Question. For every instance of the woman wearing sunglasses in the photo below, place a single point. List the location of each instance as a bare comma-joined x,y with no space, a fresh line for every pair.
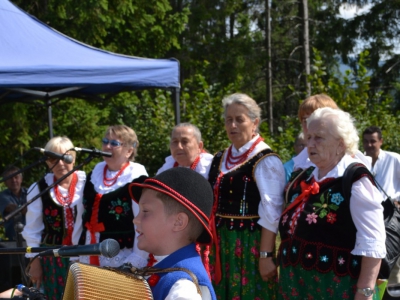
109,209
54,219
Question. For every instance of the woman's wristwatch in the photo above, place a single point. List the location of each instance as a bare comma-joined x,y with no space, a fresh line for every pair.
265,254
367,292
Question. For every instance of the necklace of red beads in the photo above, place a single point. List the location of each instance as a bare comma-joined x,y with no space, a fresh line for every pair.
231,161
193,165
66,201
111,181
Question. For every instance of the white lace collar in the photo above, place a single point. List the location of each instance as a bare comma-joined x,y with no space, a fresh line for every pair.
97,178
49,179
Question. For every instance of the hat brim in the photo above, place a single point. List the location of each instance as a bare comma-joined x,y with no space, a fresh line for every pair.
136,189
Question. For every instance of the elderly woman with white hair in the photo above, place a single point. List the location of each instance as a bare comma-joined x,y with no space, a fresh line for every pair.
187,150
55,218
331,247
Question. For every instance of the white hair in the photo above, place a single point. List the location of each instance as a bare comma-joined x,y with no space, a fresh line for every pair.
196,130
342,126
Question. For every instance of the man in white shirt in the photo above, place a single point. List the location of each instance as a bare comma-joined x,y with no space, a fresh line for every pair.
386,170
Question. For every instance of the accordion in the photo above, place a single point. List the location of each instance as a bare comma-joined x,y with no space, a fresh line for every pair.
88,282
92,282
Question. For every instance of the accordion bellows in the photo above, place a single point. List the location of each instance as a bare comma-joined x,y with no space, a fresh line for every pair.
94,283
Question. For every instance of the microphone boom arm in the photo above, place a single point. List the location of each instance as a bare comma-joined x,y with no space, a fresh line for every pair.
16,211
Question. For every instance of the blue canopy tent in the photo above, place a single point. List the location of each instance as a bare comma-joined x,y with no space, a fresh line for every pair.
39,63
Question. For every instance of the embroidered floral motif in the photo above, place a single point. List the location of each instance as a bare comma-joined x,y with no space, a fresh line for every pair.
284,219
337,198
53,218
341,260
331,218
294,250
309,255
324,258
119,208
311,218
323,208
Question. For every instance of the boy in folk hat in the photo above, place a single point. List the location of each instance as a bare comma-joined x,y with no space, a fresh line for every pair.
175,207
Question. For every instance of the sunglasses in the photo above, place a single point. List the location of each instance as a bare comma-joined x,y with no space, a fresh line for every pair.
113,143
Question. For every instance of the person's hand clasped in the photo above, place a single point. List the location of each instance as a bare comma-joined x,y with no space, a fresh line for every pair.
267,268
36,273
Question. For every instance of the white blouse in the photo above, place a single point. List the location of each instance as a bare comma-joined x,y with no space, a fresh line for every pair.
34,227
270,178
366,211
203,167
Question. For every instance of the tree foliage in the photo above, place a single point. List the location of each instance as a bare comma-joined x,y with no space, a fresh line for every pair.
222,49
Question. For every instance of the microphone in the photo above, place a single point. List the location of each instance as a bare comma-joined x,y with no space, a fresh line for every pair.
31,293
93,151
67,158
108,248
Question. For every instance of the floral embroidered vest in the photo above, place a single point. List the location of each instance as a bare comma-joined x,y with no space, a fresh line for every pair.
323,234
114,214
238,193
53,219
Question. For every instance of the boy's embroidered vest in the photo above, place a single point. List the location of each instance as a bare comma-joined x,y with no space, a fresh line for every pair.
324,234
186,257
112,217
238,193
53,218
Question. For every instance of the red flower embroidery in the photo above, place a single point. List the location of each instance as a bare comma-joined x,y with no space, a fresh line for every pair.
54,212
119,209
331,218
153,279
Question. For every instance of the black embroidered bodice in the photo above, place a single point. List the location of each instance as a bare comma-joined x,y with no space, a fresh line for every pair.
238,195
319,233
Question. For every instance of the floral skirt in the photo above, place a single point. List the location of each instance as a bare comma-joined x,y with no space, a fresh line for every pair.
241,280
298,283
55,271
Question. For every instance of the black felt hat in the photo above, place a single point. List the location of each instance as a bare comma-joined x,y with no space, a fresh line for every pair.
187,187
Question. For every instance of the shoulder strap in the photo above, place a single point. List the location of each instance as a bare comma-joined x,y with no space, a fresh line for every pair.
150,270
348,177
290,185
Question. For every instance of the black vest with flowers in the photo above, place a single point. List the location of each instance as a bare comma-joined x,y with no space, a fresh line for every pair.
53,219
112,217
323,234
238,193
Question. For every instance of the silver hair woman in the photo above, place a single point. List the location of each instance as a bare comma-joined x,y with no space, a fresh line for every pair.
55,218
324,235
248,181
187,150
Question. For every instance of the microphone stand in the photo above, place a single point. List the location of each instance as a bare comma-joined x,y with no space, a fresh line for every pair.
39,161
17,210
18,227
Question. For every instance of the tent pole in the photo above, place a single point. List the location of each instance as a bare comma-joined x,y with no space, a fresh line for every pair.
49,113
177,107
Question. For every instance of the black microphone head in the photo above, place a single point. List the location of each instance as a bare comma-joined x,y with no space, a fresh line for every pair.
68,159
109,248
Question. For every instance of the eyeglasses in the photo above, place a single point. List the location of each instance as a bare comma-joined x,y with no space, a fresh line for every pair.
113,143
